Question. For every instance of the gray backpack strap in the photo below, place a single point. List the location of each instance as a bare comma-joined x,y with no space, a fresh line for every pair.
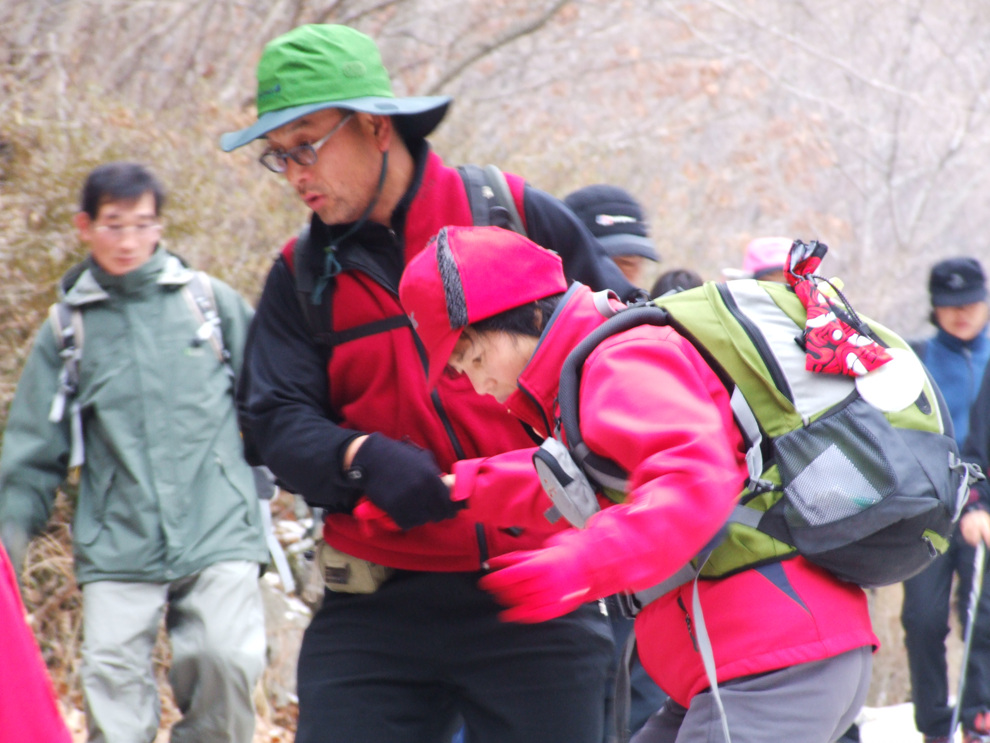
490,198
503,197
67,327
622,696
198,293
708,657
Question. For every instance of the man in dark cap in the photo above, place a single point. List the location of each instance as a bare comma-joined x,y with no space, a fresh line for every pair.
617,220
956,356
335,401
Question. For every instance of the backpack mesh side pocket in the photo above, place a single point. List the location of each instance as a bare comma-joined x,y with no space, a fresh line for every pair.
834,468
858,496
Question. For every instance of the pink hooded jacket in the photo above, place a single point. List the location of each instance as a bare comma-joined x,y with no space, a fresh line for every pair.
651,404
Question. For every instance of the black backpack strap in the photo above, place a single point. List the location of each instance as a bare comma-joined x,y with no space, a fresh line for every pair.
319,316
490,198
479,198
601,471
491,204
503,199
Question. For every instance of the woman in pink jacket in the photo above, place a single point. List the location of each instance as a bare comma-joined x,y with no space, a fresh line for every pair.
27,700
792,644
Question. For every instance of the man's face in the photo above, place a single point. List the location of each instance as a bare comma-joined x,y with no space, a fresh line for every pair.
123,235
964,321
344,179
634,268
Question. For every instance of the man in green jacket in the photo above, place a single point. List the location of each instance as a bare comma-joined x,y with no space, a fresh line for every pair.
167,520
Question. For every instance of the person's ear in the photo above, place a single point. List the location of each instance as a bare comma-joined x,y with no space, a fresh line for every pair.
84,226
383,129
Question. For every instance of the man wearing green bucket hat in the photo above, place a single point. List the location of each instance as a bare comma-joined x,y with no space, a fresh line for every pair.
334,399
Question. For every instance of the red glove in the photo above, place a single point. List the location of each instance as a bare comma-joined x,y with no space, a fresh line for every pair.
537,585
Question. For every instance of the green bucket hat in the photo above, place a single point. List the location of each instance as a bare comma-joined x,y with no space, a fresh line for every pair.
320,66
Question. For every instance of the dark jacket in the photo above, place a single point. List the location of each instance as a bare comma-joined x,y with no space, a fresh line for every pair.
957,367
976,446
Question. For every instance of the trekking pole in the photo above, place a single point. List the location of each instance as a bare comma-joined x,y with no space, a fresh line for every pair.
974,598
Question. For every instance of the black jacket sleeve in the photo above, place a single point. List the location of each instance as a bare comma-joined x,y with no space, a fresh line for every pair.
976,447
283,400
551,224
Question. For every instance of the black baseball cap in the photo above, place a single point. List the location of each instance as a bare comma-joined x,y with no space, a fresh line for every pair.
615,218
957,281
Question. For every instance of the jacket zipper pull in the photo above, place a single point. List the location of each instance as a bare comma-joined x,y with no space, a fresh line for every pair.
687,621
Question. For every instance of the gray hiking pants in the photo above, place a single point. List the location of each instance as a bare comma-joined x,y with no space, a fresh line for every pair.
807,703
215,622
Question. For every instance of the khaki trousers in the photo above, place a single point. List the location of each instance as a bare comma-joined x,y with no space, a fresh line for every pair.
215,624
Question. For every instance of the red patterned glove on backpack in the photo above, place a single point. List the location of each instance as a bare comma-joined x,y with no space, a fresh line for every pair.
831,337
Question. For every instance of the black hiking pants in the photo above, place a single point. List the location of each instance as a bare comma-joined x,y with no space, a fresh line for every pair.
925,617
405,663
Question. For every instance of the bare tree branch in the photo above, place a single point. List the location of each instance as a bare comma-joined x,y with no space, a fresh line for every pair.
513,34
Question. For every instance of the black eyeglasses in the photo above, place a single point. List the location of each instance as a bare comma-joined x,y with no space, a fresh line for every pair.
305,154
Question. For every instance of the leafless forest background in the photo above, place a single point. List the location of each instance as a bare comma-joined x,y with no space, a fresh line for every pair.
861,124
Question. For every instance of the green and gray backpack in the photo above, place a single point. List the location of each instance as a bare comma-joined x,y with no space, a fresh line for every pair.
873,496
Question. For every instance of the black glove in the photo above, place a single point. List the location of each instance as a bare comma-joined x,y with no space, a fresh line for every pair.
403,480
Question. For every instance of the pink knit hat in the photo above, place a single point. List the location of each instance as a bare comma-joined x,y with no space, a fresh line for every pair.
467,274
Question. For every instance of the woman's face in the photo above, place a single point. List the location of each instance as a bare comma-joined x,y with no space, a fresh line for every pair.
965,321
492,361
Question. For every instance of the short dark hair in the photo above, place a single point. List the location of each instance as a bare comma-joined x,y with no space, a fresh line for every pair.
527,319
675,280
119,181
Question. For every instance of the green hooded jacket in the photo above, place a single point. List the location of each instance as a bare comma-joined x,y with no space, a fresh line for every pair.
164,490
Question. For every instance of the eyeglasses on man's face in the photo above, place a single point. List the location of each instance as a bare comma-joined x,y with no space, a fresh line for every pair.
305,154
141,229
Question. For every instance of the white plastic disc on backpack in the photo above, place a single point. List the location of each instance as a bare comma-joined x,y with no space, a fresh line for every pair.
896,384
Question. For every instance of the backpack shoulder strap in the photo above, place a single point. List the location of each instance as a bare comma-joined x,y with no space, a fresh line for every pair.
490,198
919,347
503,198
479,199
319,316
600,470
198,293
67,328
